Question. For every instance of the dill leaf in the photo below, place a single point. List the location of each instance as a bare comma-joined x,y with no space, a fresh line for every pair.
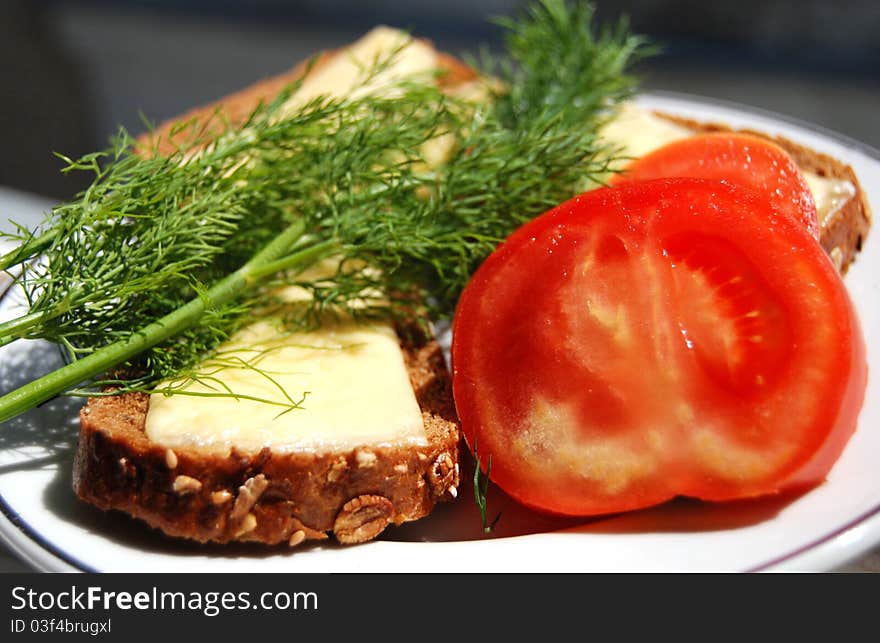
157,238
481,489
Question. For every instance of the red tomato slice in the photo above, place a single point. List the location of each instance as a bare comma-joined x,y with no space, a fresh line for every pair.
739,158
665,338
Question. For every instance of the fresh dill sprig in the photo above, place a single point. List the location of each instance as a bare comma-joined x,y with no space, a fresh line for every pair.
481,488
162,258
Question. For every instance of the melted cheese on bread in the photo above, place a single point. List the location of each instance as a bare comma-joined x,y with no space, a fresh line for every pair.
353,377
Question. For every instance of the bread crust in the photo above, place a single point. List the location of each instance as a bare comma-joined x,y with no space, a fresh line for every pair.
273,497
843,234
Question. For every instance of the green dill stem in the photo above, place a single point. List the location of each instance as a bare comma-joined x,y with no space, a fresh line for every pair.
17,328
303,257
60,381
14,328
27,250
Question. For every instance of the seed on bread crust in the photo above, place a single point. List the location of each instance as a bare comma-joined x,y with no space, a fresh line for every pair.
247,525
442,475
310,534
221,497
185,485
171,459
362,519
365,458
337,469
248,494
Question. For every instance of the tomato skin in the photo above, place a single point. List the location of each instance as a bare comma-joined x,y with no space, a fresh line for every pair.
580,421
740,158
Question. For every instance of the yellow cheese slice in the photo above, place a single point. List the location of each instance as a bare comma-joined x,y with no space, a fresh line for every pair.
355,384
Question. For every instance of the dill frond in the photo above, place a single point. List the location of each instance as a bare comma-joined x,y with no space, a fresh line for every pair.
162,258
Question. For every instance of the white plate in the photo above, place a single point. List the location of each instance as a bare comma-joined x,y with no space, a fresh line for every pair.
43,522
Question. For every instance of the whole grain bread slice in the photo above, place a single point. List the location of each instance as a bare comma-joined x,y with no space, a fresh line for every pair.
267,496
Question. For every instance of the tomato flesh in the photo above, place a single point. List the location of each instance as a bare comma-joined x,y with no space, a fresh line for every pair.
739,158
663,338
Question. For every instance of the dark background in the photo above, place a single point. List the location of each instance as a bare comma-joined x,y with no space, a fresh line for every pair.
72,71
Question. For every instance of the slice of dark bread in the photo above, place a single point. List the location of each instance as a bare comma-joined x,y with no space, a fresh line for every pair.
273,497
